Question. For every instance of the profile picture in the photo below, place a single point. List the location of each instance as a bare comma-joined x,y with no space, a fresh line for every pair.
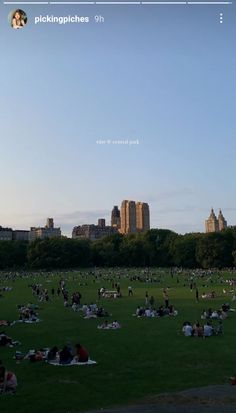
18,19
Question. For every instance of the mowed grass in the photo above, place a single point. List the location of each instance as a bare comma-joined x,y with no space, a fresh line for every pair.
145,357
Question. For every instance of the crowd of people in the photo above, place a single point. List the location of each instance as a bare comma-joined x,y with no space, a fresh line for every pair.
212,325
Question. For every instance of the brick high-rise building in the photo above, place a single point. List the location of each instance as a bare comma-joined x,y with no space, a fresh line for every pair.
128,217
142,216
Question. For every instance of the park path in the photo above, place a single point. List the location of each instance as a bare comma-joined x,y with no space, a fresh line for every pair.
210,399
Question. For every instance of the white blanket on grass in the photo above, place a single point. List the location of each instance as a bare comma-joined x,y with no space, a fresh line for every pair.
72,363
26,321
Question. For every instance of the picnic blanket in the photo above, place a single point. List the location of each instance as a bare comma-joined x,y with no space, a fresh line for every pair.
72,363
26,321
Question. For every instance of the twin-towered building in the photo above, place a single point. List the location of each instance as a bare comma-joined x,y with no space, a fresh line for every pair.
133,217
214,224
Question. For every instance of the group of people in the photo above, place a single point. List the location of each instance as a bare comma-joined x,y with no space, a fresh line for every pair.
68,354
209,295
160,312
198,330
27,313
54,355
93,311
220,314
41,293
114,325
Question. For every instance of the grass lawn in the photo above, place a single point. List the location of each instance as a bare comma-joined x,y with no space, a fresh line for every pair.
144,357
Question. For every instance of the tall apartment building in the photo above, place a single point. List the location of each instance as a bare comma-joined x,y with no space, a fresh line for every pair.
128,217
135,217
214,224
142,216
49,231
115,217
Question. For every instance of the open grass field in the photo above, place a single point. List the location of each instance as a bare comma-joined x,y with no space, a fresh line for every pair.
145,357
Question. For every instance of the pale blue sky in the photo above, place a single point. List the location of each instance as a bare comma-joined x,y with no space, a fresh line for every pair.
163,75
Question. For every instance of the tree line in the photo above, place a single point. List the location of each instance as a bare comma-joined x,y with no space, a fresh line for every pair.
156,247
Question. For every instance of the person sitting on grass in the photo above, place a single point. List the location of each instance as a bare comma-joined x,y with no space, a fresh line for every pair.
82,355
101,312
8,380
187,329
225,307
65,355
219,328
215,315
139,312
208,329
197,330
116,324
160,311
148,313
52,354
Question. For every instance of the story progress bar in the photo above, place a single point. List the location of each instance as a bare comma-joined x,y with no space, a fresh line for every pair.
115,3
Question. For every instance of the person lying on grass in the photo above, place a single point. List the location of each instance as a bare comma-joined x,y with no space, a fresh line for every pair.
109,326
6,341
35,355
5,323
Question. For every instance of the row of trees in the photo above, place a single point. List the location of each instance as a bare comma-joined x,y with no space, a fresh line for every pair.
157,247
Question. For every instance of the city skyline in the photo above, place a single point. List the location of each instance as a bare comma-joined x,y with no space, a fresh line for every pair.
91,217
170,85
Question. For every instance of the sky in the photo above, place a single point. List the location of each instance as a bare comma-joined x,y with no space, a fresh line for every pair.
160,75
